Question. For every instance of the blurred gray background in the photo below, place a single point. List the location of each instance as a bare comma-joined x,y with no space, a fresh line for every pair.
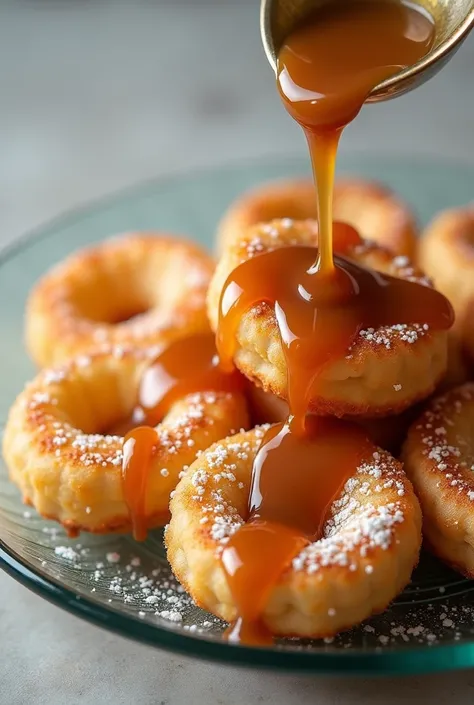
95,96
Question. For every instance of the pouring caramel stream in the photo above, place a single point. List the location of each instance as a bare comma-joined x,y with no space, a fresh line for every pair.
326,69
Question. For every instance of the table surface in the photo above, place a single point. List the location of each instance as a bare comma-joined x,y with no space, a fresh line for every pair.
96,97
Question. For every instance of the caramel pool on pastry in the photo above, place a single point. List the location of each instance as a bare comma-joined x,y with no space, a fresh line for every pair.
385,370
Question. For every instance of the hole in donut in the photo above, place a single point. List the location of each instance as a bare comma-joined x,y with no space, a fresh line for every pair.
121,427
118,426
122,316
99,402
104,300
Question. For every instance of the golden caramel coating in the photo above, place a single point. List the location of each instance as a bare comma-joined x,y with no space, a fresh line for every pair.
370,545
439,459
386,370
138,289
375,212
60,454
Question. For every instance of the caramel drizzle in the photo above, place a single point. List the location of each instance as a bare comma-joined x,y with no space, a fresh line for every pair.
321,301
186,366
319,314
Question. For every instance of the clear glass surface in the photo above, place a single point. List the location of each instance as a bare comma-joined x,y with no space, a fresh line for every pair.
109,580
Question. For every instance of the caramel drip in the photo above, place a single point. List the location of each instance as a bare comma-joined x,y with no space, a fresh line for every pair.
326,69
253,560
322,462
303,464
294,482
138,448
187,366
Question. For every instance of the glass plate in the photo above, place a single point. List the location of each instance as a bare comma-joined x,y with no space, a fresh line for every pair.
128,587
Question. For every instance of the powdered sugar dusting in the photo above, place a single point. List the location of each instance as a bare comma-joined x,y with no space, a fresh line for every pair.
387,335
369,528
56,433
450,451
363,518
277,233
210,481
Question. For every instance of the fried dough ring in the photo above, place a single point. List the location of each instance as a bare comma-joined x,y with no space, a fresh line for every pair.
439,459
371,542
58,452
385,371
375,211
157,282
446,252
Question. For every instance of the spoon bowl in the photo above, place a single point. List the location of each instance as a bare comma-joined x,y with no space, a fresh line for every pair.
453,20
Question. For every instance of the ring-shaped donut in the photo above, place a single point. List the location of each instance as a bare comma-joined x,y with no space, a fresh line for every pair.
371,208
140,288
446,253
387,369
439,460
369,548
59,452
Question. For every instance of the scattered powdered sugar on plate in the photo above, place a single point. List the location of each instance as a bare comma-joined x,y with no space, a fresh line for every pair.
135,579
141,586
437,608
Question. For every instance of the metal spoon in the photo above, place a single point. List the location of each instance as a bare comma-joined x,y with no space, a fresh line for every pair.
453,20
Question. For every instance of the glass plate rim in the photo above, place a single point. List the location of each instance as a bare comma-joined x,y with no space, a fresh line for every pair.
89,206
423,659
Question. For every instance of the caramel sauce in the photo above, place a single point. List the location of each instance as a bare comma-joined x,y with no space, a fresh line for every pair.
319,316
186,366
253,561
326,69
323,465
138,448
319,313
286,510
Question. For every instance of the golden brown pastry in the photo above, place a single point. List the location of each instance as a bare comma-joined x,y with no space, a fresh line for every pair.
375,212
370,543
446,253
388,432
139,289
439,459
59,451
